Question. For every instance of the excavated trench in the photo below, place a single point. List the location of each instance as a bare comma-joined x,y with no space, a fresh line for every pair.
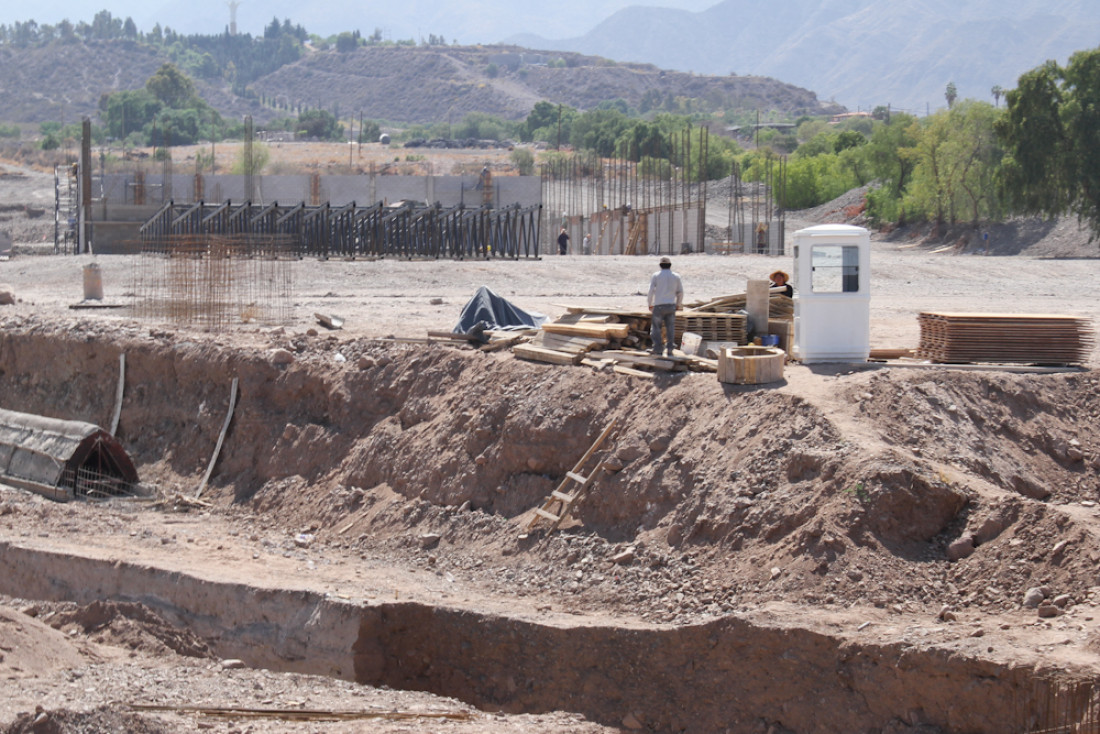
356,418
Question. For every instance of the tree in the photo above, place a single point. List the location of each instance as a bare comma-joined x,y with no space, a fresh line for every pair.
997,93
951,93
891,157
171,86
524,160
346,42
1036,174
319,124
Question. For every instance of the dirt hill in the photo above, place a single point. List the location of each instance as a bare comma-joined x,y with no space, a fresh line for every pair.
398,84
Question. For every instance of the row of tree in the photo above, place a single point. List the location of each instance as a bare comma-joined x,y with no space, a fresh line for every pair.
969,163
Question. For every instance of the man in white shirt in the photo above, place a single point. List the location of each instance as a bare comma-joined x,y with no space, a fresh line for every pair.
666,296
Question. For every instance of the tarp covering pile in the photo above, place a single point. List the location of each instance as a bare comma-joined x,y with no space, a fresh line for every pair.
487,311
62,459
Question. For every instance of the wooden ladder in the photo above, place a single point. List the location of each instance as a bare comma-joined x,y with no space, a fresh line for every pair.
639,234
558,505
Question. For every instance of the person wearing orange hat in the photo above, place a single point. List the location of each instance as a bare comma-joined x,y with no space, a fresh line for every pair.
781,283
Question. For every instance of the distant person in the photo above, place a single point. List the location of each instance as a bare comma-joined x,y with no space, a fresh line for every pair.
666,296
563,242
586,244
780,284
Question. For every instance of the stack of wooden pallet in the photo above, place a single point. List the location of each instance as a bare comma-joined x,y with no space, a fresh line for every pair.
714,327
1011,338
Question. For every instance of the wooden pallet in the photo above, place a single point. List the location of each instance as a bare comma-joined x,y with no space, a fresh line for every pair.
721,327
556,508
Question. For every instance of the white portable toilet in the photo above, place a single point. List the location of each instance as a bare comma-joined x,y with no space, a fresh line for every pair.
832,298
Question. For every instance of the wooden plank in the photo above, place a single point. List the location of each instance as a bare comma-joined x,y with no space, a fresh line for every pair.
594,331
563,496
633,372
657,363
571,344
548,515
550,356
453,336
576,477
613,311
497,344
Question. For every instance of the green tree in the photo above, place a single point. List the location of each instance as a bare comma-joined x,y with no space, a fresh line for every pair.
891,158
319,124
129,111
951,93
171,86
524,160
347,42
1037,170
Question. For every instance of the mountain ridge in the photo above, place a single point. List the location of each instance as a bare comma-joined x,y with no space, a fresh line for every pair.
859,53
400,84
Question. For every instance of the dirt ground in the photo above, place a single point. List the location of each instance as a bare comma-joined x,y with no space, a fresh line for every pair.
934,509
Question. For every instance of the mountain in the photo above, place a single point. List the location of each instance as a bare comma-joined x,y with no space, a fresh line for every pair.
859,53
467,21
418,84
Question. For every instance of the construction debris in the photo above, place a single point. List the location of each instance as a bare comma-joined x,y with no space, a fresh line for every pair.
616,338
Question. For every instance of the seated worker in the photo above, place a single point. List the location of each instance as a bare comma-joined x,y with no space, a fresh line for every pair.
780,284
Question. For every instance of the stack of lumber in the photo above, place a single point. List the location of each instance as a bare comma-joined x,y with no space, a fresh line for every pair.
604,339
1012,338
567,342
779,305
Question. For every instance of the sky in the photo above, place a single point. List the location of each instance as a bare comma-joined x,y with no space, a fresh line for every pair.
465,21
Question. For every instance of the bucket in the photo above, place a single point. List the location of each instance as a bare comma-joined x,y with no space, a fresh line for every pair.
93,283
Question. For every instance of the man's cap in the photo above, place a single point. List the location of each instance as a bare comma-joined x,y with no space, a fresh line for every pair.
665,261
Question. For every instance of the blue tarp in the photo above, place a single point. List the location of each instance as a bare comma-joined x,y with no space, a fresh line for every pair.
487,311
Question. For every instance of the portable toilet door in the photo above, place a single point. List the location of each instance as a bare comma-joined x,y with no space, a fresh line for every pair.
832,299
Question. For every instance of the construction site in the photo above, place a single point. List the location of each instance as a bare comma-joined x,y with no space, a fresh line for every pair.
257,479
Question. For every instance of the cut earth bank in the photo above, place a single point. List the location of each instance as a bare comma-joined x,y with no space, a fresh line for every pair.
782,552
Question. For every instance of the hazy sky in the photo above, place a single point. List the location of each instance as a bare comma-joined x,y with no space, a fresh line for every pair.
468,21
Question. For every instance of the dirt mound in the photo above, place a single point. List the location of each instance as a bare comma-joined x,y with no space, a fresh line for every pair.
733,496
129,625
103,719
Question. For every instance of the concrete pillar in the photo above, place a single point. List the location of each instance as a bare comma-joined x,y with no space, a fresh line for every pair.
756,304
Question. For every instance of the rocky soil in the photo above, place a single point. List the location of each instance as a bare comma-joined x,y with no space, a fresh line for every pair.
925,507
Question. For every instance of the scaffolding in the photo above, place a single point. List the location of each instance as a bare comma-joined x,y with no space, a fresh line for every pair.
645,206
756,218
66,211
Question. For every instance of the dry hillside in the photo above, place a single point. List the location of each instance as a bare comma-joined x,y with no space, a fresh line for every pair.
398,84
